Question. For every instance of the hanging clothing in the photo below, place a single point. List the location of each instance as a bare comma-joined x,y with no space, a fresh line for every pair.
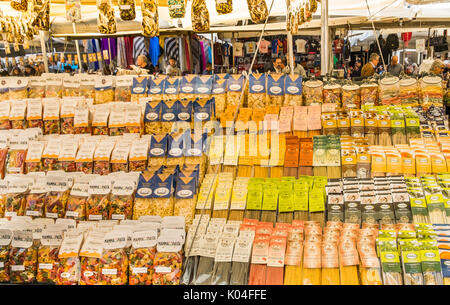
92,49
154,50
207,48
188,52
203,57
129,51
195,53
121,53
171,49
110,45
138,47
218,54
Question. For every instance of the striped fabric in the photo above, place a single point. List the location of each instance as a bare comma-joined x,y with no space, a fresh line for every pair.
121,53
138,47
171,49
195,53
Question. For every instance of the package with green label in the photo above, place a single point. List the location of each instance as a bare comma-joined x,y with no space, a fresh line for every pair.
254,201
270,203
412,267
285,204
431,266
390,261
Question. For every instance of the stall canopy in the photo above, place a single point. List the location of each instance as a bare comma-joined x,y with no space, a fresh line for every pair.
380,9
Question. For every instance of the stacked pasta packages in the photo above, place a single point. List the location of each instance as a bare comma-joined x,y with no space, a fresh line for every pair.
378,201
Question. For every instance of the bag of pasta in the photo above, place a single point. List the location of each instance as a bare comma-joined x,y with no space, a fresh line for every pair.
275,90
162,200
53,86
143,201
187,86
5,108
409,91
139,154
17,114
67,155
122,197
139,88
313,92
67,114
176,148
431,92
34,113
369,93
18,188
200,16
351,98
152,117
100,119
48,260
106,21
98,203
158,150
176,8
51,116
87,85
51,154
119,156
141,257
36,87
257,91
389,91
104,90
114,261
235,84
69,265
116,123
33,158
90,255
258,10
168,115
123,88
5,246
35,200
185,198
84,160
224,6
150,18
71,86
219,92
58,186
168,260
102,156
76,203
4,89
133,119
171,88
40,14
127,9
156,87
332,93
22,258
18,88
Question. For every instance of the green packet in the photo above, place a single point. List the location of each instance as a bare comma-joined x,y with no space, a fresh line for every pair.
270,199
301,200
286,201
389,255
429,255
316,200
410,250
254,199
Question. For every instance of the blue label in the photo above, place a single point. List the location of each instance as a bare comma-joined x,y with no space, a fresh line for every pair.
176,145
158,147
275,87
162,188
188,86
293,85
235,83
257,83
195,148
204,84
219,86
445,265
185,111
172,85
203,109
169,111
156,87
145,186
152,112
139,85
185,188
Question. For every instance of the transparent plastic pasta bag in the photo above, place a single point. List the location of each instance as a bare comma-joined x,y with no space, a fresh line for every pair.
34,113
17,114
200,16
53,86
332,93
114,260
176,8
51,116
168,260
90,255
5,108
87,85
76,203
51,154
389,91
122,197
224,6
48,260
22,257
143,201
123,88
98,203
58,185
5,246
127,9
71,86
4,89
102,157
35,200
18,88
104,90
40,14
15,196
150,18
69,266
258,10
313,92
409,91
106,21
142,256
293,90
36,87
431,91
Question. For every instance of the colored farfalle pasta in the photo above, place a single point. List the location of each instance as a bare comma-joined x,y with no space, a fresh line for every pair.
55,204
165,261
35,205
22,262
4,263
76,207
48,264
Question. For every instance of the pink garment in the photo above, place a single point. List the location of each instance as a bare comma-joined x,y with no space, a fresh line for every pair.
188,60
202,51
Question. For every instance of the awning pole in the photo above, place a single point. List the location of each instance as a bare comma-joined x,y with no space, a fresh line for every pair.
78,47
44,50
324,38
212,53
290,45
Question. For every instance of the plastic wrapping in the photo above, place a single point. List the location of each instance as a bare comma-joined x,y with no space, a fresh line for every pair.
224,6
141,258
200,16
106,20
127,9
332,94
313,92
257,91
113,267
369,94
258,10
16,161
351,98
104,90
409,91
89,270
40,14
18,89
150,18
121,206
176,8
68,271
5,247
389,91
48,261
55,204
22,258
431,91
164,260
34,204
123,88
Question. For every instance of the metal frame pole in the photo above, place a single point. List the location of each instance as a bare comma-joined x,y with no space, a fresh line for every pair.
324,38
78,47
44,51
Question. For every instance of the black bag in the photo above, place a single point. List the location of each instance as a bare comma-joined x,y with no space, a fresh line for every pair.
392,42
439,42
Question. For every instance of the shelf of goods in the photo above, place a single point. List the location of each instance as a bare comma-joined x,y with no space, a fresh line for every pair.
130,180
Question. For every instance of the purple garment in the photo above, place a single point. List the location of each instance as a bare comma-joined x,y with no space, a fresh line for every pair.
113,46
202,51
